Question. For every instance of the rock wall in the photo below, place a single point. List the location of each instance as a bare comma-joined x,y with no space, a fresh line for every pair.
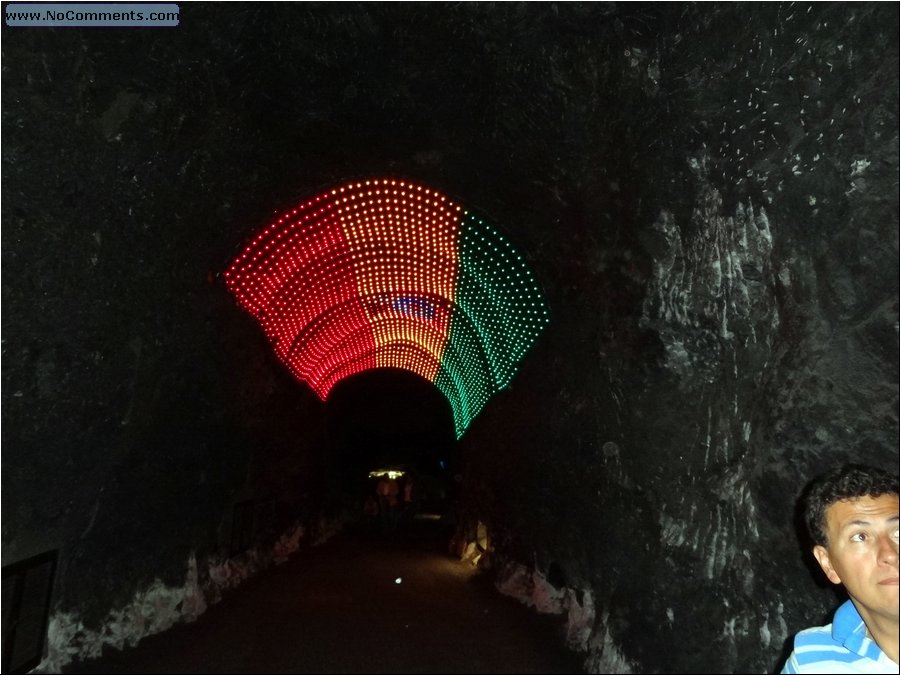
731,338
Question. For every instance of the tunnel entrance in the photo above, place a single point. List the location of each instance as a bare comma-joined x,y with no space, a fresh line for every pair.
391,418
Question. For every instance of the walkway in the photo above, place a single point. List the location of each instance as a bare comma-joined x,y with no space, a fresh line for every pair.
338,609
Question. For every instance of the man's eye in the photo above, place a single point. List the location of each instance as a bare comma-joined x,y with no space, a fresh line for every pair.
859,536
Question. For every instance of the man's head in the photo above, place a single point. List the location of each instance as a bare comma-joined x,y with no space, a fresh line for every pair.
852,517
844,483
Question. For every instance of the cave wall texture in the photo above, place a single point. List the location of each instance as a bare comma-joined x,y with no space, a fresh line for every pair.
707,192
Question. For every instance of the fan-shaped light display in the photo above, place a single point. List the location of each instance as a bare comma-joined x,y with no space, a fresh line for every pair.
388,274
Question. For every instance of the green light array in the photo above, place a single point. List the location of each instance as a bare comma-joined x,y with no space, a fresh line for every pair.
499,314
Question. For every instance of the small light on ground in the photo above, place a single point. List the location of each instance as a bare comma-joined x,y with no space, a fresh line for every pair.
398,580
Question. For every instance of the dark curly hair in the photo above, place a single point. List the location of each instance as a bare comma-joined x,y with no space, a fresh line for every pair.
850,481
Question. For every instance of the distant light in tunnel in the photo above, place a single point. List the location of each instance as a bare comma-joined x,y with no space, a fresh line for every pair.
388,274
393,474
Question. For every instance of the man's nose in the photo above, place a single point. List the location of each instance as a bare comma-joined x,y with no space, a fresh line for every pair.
887,549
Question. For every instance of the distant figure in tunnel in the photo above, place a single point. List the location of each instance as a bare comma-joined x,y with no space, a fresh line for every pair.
851,514
409,496
388,507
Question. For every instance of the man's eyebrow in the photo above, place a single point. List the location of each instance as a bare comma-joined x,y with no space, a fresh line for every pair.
856,522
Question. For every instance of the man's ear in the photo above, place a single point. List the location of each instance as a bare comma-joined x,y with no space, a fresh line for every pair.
822,556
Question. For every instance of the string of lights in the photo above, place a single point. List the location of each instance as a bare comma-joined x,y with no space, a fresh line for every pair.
385,273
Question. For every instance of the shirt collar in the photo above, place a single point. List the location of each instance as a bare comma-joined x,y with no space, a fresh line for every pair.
849,629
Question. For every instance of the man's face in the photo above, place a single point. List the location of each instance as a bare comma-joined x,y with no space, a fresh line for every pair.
862,552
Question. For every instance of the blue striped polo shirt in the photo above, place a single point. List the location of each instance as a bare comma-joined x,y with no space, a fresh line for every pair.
840,647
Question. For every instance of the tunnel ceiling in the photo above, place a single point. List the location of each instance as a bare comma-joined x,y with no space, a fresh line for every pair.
384,273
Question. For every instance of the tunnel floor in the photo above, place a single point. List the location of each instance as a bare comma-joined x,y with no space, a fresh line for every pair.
337,608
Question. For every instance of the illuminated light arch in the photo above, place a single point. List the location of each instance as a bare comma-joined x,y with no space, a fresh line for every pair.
385,273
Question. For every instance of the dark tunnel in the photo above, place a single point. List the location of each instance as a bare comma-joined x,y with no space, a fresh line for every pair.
667,299
388,417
